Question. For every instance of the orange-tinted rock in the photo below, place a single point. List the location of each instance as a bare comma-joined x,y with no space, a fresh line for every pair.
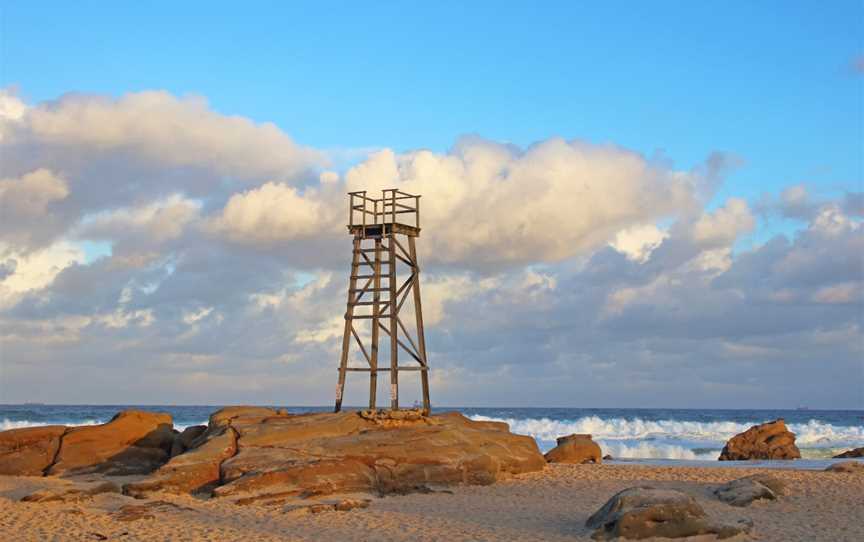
307,478
770,440
351,452
576,449
133,442
243,414
29,451
186,440
857,452
325,453
194,471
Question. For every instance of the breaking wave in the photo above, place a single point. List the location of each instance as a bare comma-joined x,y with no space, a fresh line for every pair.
676,439
9,424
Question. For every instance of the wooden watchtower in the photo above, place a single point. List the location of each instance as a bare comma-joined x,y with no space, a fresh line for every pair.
382,228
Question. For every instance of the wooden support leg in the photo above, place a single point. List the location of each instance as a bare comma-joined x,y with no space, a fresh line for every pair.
394,331
346,336
421,338
376,297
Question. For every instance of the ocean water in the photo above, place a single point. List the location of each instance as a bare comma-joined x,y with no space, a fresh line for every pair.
656,436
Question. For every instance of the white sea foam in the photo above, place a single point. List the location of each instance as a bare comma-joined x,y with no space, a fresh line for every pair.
649,450
676,439
9,424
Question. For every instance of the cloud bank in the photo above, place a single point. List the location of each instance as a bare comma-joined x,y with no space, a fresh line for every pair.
153,250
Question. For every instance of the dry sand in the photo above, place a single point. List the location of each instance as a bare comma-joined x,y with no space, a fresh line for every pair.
550,505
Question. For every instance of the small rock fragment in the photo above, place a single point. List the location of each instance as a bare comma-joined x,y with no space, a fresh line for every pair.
148,510
343,505
71,494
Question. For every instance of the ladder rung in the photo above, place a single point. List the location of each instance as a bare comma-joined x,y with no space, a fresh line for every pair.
367,276
368,316
384,289
382,262
380,302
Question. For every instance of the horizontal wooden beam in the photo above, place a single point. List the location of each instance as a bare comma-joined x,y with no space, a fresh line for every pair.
387,289
387,369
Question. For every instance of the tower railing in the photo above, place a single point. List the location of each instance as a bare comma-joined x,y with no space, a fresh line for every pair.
390,208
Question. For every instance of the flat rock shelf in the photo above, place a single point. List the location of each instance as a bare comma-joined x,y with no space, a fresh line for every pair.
255,452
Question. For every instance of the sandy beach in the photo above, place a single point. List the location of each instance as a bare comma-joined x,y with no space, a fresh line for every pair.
549,505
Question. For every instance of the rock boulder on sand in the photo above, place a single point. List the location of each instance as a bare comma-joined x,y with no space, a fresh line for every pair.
849,467
316,454
771,440
133,442
857,452
743,491
576,449
29,451
645,512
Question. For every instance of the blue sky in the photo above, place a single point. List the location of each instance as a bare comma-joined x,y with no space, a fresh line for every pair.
772,82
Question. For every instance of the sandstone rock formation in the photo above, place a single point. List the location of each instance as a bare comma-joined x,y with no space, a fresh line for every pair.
576,449
267,452
645,512
849,467
771,440
29,451
857,452
133,442
261,452
186,440
743,491
197,470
